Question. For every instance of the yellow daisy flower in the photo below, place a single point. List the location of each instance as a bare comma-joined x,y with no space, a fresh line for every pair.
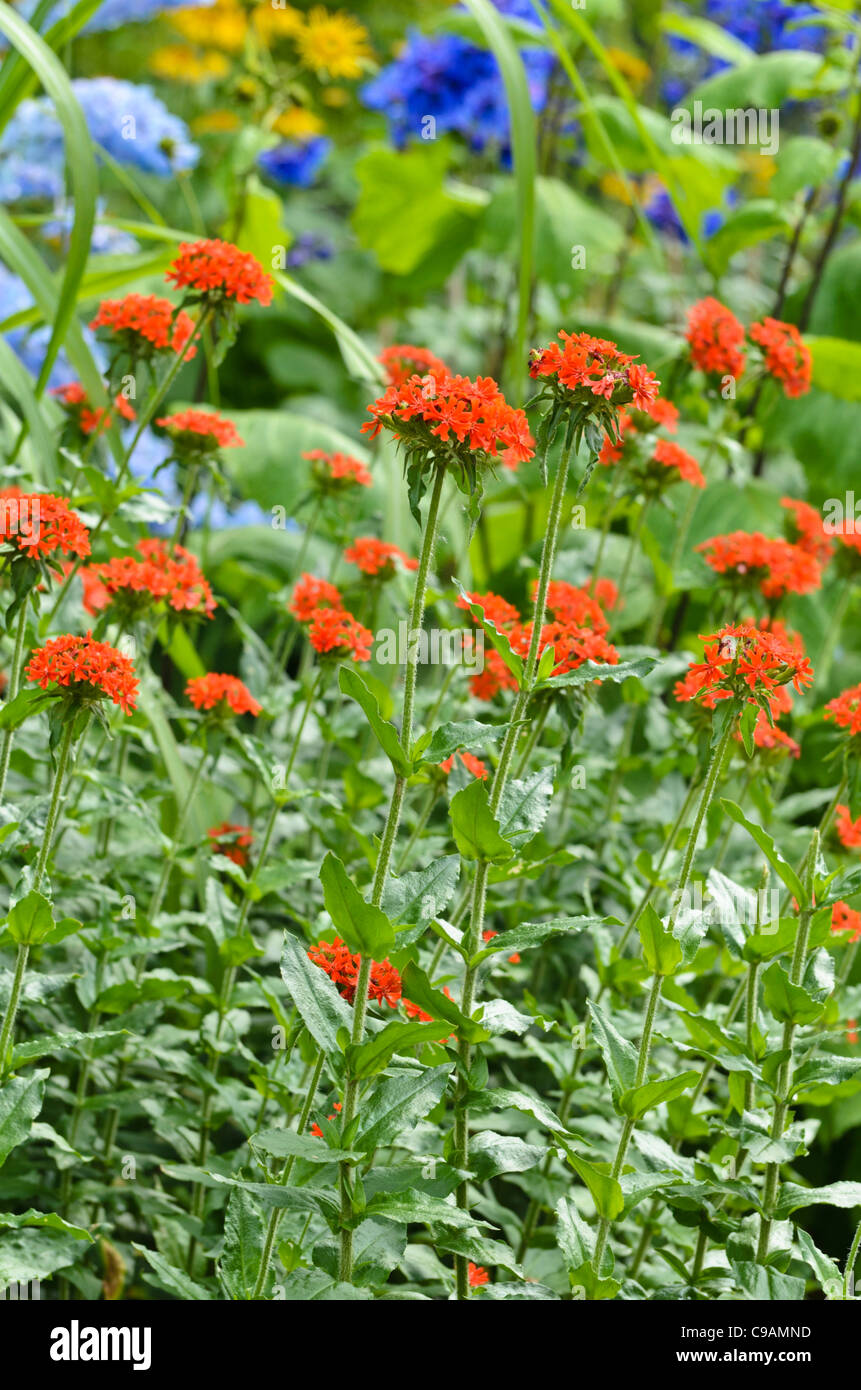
222,25
296,123
271,24
334,44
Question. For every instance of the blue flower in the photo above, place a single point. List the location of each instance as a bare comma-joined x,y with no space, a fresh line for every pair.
296,162
310,246
129,122
457,84
764,25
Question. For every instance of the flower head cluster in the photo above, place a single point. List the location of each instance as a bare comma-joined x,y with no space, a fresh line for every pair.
335,632
716,337
744,662
336,472
377,558
848,830
41,525
143,324
85,669
845,919
215,691
232,841
198,433
787,357
402,360
342,967
89,419
845,710
310,594
160,574
806,529
573,606
217,271
465,421
670,455
776,566
585,368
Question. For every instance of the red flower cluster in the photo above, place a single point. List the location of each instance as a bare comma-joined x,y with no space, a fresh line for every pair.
144,323
377,558
572,606
342,967
475,414
232,841
175,576
201,431
777,566
787,358
806,529
845,710
90,419
40,524
848,830
596,366
402,361
337,472
470,762
311,593
716,337
845,918
86,668
477,1275
335,632
207,692
219,271
743,660
671,456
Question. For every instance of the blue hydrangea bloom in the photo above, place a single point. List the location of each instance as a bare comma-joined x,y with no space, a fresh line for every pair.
130,122
456,83
296,162
29,344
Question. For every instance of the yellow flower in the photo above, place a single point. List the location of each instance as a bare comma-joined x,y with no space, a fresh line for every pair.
615,187
334,44
762,169
629,65
297,123
271,23
215,123
222,25
181,63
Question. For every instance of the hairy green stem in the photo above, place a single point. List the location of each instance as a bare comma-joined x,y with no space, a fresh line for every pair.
12,690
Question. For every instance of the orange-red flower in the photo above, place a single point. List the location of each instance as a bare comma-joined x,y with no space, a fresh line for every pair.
715,336
477,1275
471,419
743,661
671,456
806,529
402,361
584,365
200,431
342,967
470,762
573,606
41,524
90,419
377,558
310,594
228,692
497,610
232,841
777,566
160,575
144,324
787,357
86,669
845,710
219,271
848,830
607,593
337,472
845,918
335,632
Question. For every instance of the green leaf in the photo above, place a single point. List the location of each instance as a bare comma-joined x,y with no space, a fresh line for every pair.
405,213
30,920
420,895
606,1192
285,1143
763,945
173,1280
620,1056
366,929
499,640
524,806
320,1006
641,1099
26,703
836,365
243,1246
49,1220
491,1154
374,1056
769,849
396,1104
405,1207
27,1255
419,990
352,684
845,1195
475,828
601,671
825,1071
466,733
662,952
759,220
20,1103
530,934
787,1002
502,1098
53,1043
